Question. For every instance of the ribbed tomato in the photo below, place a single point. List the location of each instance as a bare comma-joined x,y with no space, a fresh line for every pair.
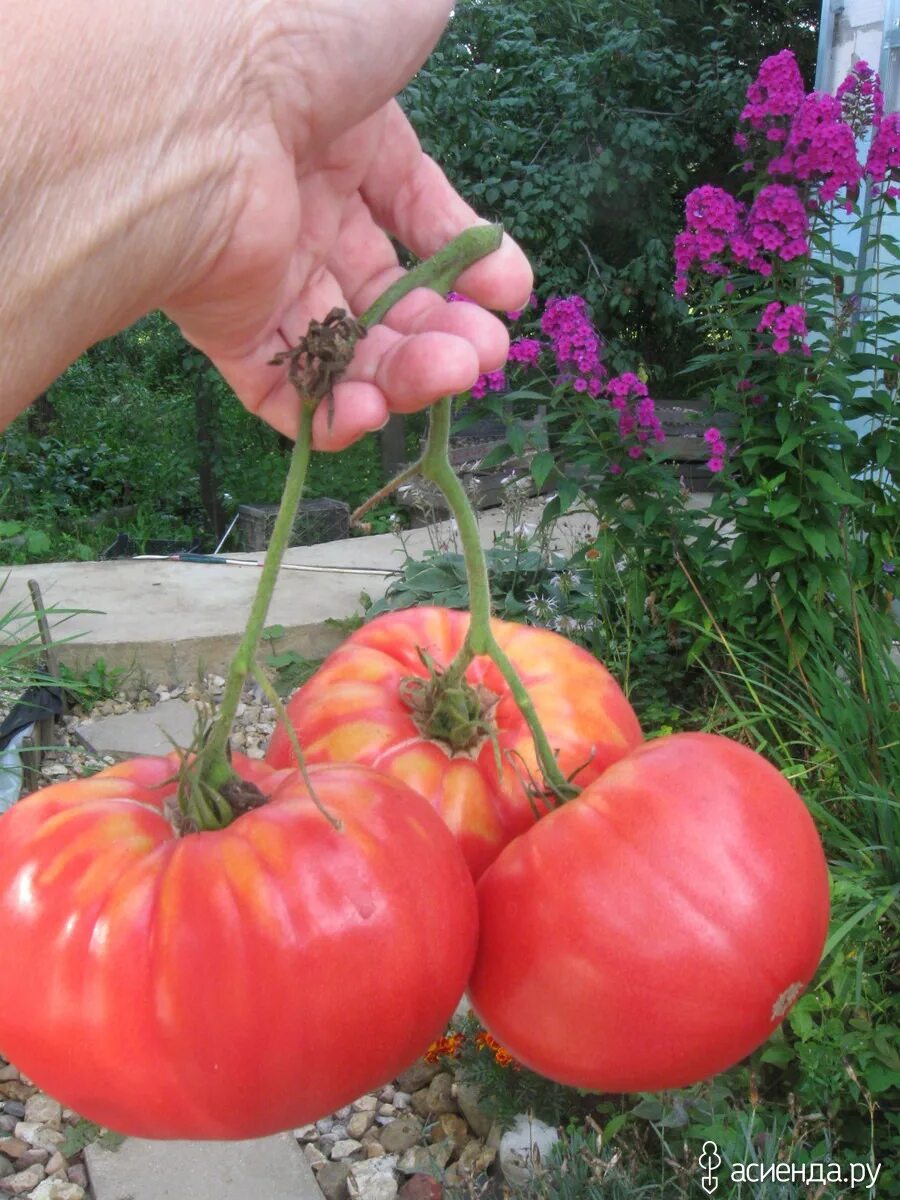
353,709
655,930
234,983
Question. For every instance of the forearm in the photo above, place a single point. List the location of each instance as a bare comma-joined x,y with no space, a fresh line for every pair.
104,174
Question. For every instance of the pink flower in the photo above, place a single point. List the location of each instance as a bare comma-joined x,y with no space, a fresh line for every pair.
861,99
784,322
715,464
575,342
615,469
525,350
775,94
883,163
821,148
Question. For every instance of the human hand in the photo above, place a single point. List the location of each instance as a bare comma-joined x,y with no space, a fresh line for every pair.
326,165
240,164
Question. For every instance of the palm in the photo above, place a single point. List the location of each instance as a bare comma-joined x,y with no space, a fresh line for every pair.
305,232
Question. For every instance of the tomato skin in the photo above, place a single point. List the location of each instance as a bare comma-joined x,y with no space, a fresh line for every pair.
655,930
352,709
235,983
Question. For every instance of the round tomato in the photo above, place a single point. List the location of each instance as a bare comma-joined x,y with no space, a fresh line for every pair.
233,983
655,930
355,708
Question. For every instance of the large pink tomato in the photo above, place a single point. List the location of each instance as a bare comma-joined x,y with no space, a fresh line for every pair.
655,930
233,983
356,708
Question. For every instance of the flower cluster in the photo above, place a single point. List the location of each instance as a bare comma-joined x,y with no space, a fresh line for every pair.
820,149
883,163
576,344
445,1047
861,99
773,98
493,381
784,321
637,413
712,218
777,224
502,1057
718,449
526,350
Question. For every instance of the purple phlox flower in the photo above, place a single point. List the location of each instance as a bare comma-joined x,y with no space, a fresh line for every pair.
821,148
712,219
628,395
777,225
458,296
883,163
861,99
889,568
775,94
575,342
717,448
784,321
493,381
525,350
615,469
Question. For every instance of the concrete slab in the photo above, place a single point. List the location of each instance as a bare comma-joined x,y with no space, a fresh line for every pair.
173,621
149,731
270,1168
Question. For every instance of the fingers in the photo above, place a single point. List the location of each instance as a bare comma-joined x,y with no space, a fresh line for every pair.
409,195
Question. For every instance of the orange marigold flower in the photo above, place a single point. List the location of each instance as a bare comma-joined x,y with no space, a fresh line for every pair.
592,553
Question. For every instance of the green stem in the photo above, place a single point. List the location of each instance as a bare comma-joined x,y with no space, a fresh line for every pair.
480,637
217,768
213,770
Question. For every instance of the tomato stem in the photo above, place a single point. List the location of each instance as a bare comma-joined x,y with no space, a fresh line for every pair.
213,771
480,638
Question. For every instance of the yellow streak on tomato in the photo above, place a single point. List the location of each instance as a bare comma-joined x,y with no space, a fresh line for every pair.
420,766
248,880
466,804
350,742
117,828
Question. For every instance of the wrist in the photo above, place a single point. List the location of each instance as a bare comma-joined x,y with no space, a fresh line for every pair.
108,183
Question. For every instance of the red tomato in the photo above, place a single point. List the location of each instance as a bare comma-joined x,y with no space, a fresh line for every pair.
234,983
655,930
353,710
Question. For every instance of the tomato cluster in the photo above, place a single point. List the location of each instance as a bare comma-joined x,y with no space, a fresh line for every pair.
645,934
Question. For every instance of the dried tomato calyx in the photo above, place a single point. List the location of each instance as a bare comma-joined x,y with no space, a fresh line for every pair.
452,711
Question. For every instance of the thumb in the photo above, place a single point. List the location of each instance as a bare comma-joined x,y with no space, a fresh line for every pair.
338,61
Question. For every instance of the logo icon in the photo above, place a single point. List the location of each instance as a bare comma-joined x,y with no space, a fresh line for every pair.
710,1159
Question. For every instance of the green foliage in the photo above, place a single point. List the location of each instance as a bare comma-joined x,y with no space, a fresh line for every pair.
94,683
580,125
141,435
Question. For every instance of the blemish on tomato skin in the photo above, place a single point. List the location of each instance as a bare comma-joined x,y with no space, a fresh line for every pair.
786,1001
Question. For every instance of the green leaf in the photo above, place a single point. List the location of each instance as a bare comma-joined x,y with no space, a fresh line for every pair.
832,489
779,555
782,506
37,541
541,466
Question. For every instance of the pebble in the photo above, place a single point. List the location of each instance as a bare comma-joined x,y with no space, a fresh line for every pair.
425,1160
375,1150
14,1108
57,1189
373,1180
77,1173
359,1123
332,1179
468,1099
13,1147
55,1163
439,1098
7,1124
420,1187
400,1135
524,1147
43,1110
8,1073
314,1155
366,1103
344,1148
24,1181
6,1167
418,1076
